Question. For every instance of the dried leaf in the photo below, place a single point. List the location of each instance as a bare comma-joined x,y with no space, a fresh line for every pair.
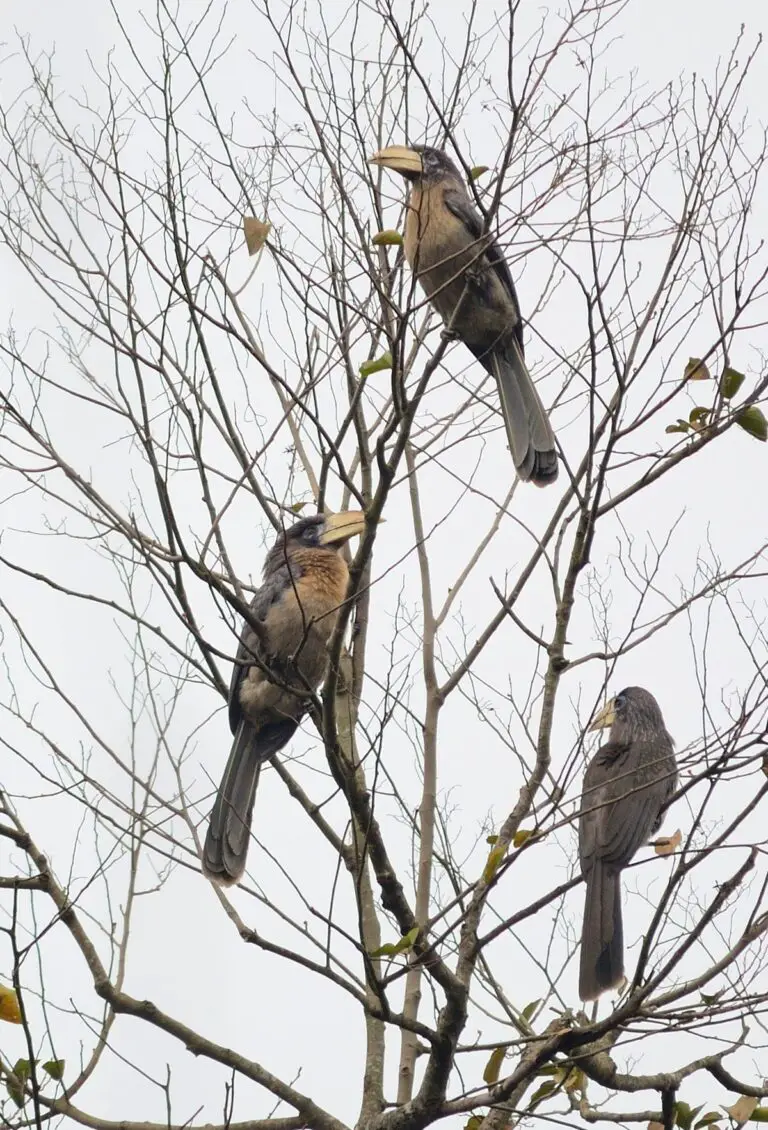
696,370
492,1068
667,845
753,422
54,1068
376,365
655,1126
256,232
493,863
9,1005
742,1109
388,238
730,383
477,171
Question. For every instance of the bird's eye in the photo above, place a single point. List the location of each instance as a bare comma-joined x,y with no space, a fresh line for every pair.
619,702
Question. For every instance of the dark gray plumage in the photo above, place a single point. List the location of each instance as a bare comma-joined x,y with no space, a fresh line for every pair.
626,787
467,280
305,582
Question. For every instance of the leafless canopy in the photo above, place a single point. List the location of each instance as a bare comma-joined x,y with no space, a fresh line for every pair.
403,950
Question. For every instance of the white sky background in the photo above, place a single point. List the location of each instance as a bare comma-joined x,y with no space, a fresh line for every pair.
186,954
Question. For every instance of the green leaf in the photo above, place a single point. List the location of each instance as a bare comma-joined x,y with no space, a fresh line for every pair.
473,1122
707,1119
696,370
760,1114
491,839
753,422
495,859
544,1090
15,1090
493,1066
22,1070
54,1068
297,507
390,949
730,383
697,418
683,1115
377,365
477,171
388,238
529,1009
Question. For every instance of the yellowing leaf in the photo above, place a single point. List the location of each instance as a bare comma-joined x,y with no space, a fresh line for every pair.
493,1066
473,1122
529,1009
491,839
574,1080
388,238
493,863
753,422
696,370
477,171
390,949
730,383
760,1114
708,1118
9,1005
377,365
542,1092
667,845
297,507
742,1109
697,418
256,232
522,836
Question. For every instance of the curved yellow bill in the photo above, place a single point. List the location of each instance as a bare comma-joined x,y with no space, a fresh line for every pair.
340,527
605,718
397,157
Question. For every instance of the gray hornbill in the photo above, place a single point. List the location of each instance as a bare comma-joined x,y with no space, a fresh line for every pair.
466,278
304,584
627,786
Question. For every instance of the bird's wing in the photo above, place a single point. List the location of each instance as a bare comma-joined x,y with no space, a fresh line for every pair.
457,202
278,582
619,786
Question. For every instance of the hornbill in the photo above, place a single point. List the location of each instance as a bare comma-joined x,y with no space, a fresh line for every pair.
304,584
466,278
627,786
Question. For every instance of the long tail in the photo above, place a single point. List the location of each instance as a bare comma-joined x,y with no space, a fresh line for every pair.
229,831
530,435
602,934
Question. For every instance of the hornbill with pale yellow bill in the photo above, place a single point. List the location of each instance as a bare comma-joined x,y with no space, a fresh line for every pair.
304,584
627,786
466,278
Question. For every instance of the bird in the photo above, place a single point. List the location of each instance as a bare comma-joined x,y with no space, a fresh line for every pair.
627,786
467,280
304,584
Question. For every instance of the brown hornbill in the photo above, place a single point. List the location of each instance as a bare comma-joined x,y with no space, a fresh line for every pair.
466,278
627,786
304,584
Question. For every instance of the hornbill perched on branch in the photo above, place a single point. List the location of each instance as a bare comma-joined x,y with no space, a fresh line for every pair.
467,280
305,583
627,786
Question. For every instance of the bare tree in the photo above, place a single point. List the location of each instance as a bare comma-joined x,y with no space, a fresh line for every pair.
403,950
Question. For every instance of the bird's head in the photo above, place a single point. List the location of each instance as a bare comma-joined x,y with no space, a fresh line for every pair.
629,714
416,162
320,531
